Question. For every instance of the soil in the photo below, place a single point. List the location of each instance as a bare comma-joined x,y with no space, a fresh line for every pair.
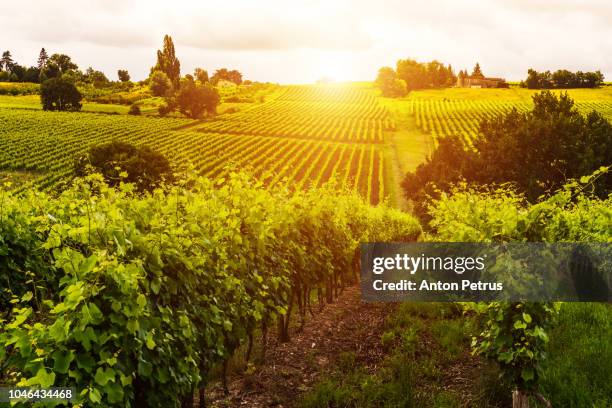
291,369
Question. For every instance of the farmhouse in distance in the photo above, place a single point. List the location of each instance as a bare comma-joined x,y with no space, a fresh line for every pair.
478,80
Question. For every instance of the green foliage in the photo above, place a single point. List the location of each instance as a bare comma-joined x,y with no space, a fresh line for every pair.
134,109
122,162
515,335
389,84
58,65
168,63
154,289
563,144
562,79
194,100
13,88
201,75
123,75
419,75
160,84
226,75
477,71
577,372
57,94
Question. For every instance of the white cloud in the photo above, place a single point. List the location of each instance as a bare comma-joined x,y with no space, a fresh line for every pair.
290,41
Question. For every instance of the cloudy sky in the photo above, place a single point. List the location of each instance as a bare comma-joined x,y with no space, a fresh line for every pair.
302,41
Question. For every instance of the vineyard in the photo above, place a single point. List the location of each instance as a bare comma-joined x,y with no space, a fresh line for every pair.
136,298
306,136
451,112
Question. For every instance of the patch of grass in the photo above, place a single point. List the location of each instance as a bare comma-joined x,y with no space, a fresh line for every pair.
387,339
578,371
394,387
451,335
411,375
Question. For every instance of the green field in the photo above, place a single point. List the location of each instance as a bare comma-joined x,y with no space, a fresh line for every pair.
459,111
303,136
306,135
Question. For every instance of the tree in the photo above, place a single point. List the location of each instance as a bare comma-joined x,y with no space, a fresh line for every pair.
31,74
562,79
227,75
389,84
425,75
42,59
134,110
123,162
7,61
96,78
195,100
61,95
58,65
477,72
17,72
201,75
536,151
235,76
168,63
160,84
123,75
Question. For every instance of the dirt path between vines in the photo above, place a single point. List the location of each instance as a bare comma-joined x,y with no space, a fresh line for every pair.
290,369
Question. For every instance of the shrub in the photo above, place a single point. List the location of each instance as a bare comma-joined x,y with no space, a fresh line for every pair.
61,95
160,84
122,162
134,109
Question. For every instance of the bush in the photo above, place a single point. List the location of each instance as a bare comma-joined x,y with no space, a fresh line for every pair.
122,162
536,151
57,94
134,110
195,100
160,84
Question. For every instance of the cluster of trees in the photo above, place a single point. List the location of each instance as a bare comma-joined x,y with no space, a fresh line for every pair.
536,151
54,66
11,71
226,75
562,79
410,75
389,84
121,162
193,95
59,77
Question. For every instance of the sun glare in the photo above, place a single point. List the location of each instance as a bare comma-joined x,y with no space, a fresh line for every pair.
335,68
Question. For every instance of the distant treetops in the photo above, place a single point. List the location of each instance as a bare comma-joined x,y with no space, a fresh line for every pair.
562,79
411,75
193,95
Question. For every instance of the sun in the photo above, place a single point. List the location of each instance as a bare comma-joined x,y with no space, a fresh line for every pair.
335,68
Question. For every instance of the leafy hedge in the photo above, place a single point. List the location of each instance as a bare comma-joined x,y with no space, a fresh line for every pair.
515,335
120,295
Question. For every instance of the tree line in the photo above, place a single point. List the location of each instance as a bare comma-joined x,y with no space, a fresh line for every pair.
410,75
194,95
536,151
54,66
562,79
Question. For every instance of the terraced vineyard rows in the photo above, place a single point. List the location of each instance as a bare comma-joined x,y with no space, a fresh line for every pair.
443,117
327,113
298,139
